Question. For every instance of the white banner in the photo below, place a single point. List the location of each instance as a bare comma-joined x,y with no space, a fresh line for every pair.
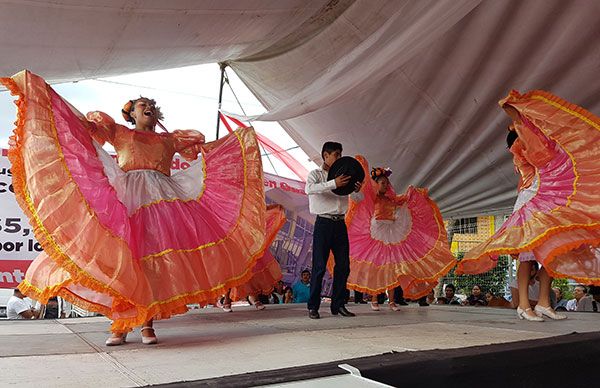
18,247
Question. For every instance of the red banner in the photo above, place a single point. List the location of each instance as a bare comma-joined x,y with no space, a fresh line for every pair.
12,272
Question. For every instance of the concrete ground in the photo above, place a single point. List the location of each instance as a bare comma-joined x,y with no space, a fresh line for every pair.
209,343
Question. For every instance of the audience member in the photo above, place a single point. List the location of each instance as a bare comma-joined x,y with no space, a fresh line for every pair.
496,301
561,302
582,301
301,288
277,294
449,296
18,307
476,298
288,295
430,298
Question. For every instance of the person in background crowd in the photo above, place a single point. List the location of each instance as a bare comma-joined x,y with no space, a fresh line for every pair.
301,288
430,298
288,295
449,296
496,301
18,307
477,298
582,301
561,302
277,294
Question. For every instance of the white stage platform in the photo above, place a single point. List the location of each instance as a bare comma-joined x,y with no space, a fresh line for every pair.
209,343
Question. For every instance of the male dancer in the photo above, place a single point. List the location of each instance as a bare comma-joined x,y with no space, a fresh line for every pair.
330,234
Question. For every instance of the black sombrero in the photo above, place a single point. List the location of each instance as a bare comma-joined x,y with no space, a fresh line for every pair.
346,165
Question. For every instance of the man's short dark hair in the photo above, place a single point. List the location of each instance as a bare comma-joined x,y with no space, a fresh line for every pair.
331,146
305,271
450,286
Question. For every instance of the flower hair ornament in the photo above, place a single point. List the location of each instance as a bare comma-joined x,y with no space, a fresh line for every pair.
378,172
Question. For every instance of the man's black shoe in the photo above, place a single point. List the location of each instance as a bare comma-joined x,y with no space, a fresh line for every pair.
344,312
313,314
402,303
423,303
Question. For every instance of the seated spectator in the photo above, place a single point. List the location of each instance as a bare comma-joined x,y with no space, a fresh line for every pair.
476,298
301,288
430,298
496,301
277,294
449,297
288,295
561,302
18,307
582,301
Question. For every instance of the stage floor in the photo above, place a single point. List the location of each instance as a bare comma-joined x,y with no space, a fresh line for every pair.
209,343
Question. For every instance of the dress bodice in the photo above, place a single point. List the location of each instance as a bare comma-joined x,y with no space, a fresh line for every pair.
144,150
385,206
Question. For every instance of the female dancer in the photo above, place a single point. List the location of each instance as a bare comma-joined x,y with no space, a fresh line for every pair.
395,240
556,219
130,240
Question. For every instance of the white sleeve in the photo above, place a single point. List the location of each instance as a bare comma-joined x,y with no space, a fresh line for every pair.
313,186
21,306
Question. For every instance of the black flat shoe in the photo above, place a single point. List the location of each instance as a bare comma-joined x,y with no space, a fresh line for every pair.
313,314
402,303
345,313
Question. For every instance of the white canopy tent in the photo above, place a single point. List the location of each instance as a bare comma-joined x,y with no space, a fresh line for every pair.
410,84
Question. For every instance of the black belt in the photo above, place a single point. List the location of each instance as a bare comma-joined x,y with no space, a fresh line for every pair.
334,217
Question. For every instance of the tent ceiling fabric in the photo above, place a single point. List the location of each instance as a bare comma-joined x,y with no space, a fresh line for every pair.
410,84
414,85
66,40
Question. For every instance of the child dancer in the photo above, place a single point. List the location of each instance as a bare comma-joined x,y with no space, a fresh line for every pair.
395,240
